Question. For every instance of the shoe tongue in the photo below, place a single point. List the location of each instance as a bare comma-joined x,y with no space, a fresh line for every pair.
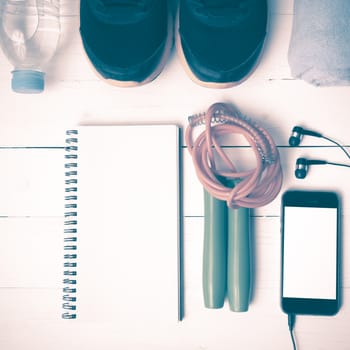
231,10
122,11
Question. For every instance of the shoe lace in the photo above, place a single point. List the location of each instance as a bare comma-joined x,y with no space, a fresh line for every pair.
223,8
223,3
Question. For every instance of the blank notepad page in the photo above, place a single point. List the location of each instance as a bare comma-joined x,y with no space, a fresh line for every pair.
128,225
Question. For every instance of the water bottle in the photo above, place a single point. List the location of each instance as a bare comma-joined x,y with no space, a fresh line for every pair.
29,34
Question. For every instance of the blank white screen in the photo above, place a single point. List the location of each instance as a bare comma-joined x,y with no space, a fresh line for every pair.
310,248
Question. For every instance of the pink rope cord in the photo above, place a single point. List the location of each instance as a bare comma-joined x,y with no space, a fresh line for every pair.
253,188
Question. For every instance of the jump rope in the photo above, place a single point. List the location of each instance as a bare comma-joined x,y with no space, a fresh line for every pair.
229,194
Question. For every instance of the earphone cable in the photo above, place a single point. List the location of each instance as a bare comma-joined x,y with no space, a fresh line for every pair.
337,144
291,322
339,164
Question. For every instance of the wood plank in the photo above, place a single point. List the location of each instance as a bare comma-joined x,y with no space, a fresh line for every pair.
32,182
31,253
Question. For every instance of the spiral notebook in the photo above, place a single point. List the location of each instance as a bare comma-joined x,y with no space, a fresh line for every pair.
122,225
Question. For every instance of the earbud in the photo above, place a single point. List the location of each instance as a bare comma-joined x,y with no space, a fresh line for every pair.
297,133
302,165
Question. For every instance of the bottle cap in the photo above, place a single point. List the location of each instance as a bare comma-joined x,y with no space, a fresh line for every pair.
28,81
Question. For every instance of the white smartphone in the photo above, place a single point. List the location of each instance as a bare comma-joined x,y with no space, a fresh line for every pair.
310,253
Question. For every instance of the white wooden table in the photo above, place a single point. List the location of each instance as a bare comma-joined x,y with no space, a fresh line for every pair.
31,194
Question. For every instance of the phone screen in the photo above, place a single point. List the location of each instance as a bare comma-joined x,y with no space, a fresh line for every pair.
310,253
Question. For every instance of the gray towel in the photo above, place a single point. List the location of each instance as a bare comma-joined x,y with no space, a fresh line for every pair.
319,49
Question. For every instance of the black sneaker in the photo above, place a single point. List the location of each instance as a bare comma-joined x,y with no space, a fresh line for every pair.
220,41
127,41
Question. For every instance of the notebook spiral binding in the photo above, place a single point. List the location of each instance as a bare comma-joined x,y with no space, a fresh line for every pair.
70,225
